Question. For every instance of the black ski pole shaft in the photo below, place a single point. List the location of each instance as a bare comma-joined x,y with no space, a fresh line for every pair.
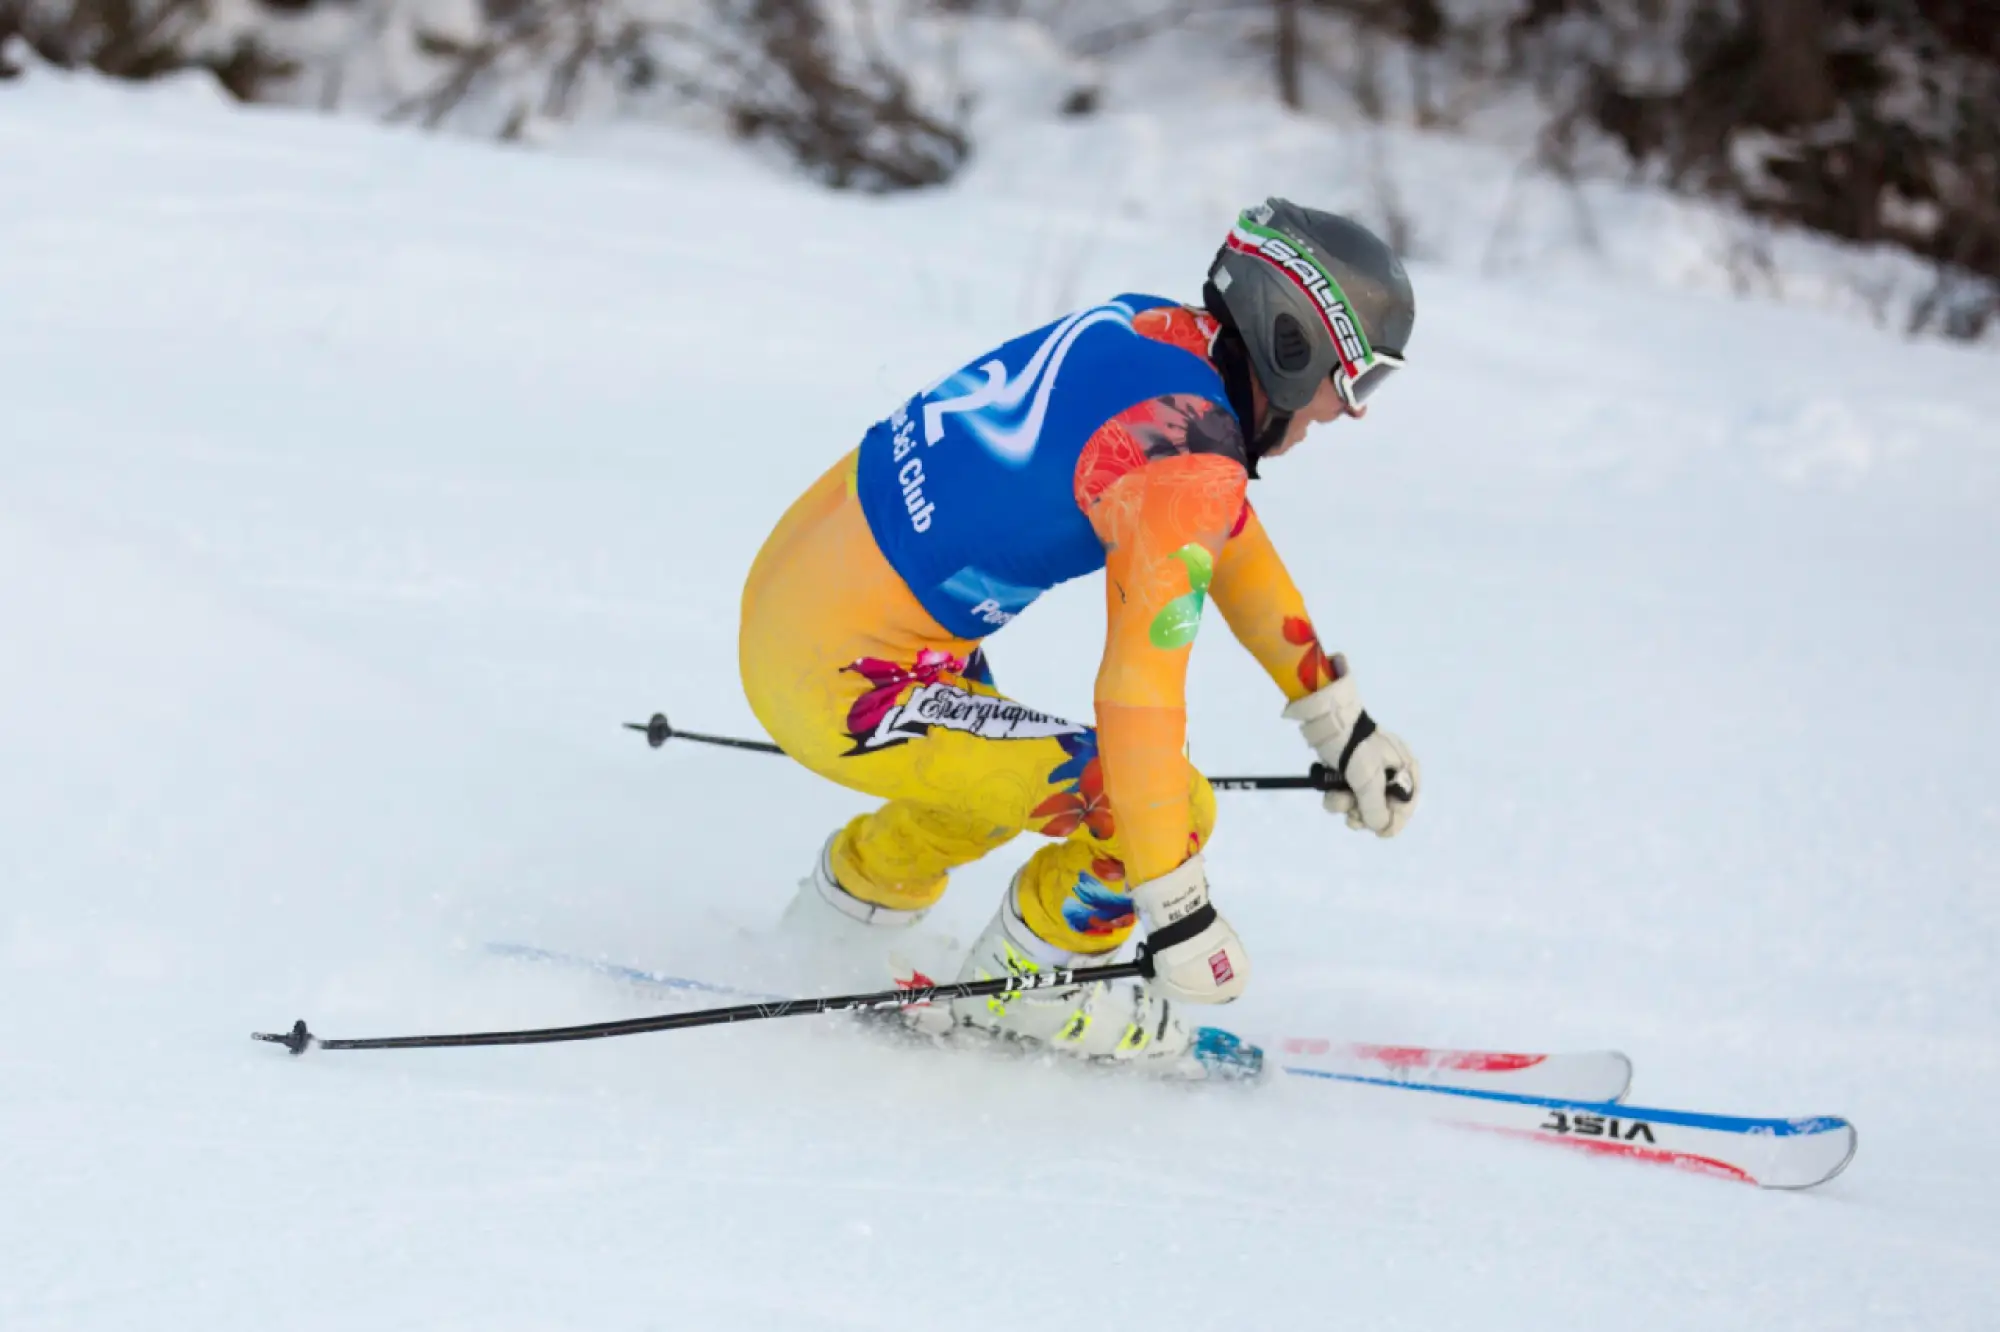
298,1040
1322,778
658,731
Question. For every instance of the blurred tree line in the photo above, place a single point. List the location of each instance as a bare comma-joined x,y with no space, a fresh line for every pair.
1868,120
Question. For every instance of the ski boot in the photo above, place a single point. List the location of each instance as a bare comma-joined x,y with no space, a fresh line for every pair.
1122,1022
837,940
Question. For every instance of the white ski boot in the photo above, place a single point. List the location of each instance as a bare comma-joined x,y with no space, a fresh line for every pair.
1120,1022
839,941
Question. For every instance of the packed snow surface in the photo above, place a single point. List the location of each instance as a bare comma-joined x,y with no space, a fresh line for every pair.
354,486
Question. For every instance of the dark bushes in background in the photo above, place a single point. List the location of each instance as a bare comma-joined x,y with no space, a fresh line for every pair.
771,70
1869,120
137,39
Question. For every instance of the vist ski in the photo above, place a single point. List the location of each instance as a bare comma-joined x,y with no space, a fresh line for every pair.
1769,1152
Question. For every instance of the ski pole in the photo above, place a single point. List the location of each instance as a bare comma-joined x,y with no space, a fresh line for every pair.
658,732
1321,778
298,1040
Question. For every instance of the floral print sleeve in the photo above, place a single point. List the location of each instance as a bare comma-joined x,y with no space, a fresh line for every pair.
1177,425
1162,484
1265,611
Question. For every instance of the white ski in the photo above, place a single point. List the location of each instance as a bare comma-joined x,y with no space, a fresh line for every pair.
1587,1075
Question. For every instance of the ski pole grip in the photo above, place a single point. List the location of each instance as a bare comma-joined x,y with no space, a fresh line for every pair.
298,1040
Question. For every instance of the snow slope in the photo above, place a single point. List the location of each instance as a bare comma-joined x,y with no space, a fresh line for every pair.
354,486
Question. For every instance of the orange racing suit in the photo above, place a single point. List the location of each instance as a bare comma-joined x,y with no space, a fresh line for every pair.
1102,440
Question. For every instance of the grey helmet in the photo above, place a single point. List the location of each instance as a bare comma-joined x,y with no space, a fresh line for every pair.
1312,295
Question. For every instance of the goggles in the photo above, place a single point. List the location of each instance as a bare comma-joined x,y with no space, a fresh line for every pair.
1357,386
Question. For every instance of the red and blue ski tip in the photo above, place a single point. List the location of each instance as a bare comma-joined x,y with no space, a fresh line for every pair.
1770,1153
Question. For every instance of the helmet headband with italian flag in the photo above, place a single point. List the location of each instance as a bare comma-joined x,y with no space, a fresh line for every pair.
1290,256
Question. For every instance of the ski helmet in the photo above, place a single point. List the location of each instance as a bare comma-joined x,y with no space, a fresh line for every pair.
1312,295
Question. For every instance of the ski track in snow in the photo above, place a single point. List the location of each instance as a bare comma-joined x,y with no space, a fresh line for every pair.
355,485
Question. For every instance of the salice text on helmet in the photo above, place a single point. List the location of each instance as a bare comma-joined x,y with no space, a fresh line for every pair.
1328,296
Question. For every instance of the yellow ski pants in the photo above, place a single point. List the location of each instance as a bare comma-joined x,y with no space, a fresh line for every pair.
854,679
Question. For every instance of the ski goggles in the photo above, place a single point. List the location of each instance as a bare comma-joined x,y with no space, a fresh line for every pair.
1358,384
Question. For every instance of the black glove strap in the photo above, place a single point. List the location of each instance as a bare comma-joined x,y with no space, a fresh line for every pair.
1179,932
1364,726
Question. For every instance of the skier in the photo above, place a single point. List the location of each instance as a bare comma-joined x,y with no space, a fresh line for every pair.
1122,438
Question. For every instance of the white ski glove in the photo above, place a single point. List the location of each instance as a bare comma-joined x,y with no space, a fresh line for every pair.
1381,774
1191,953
